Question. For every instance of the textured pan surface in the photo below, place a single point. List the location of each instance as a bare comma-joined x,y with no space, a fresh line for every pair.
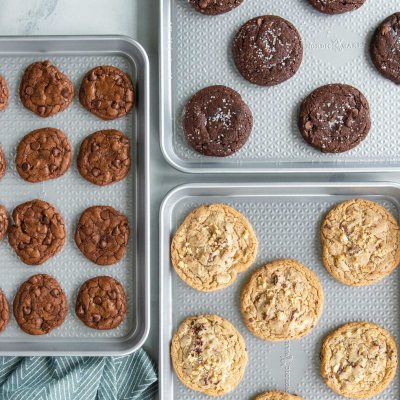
71,194
336,50
286,220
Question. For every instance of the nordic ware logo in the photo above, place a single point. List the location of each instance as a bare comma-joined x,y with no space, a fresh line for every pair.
337,48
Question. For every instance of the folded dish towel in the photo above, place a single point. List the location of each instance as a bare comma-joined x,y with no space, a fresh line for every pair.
78,378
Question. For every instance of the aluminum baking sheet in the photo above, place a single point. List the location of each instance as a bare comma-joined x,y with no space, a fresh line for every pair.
71,194
196,52
286,219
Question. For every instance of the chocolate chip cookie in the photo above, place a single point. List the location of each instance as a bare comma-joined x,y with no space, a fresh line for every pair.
214,7
360,242
217,122
43,154
335,118
40,305
268,50
3,163
102,235
4,311
37,233
104,157
101,303
209,355
385,48
277,396
336,6
359,360
212,246
45,90
3,222
282,301
4,93
107,92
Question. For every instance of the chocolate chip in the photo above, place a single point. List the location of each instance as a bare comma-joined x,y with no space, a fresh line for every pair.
117,163
115,105
45,326
55,293
22,246
35,146
103,244
41,110
112,295
26,310
46,63
25,166
97,300
96,317
105,214
96,104
65,93
45,220
52,168
56,152
81,311
116,231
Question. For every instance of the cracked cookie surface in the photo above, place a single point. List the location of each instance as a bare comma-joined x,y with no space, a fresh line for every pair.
277,396
335,118
3,222
215,7
385,48
107,92
282,300
360,242
45,90
4,94
209,355
43,154
102,235
336,6
37,232
40,305
359,360
4,311
101,303
216,121
267,50
104,157
214,243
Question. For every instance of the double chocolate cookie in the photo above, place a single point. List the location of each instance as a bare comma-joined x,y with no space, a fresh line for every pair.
107,92
101,303
335,118
104,157
40,305
3,163
4,94
45,90
43,154
216,121
3,222
385,48
268,50
215,7
4,311
336,6
37,233
102,235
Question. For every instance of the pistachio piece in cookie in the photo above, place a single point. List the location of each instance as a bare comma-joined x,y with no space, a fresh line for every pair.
360,242
359,360
209,355
282,300
214,243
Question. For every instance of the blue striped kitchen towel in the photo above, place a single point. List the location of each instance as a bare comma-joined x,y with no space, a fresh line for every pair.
78,378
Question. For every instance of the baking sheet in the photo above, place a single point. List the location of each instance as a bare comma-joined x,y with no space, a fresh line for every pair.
196,52
286,219
71,194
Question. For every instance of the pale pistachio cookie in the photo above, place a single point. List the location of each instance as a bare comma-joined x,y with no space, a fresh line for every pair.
209,355
360,242
214,243
283,300
359,360
278,396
